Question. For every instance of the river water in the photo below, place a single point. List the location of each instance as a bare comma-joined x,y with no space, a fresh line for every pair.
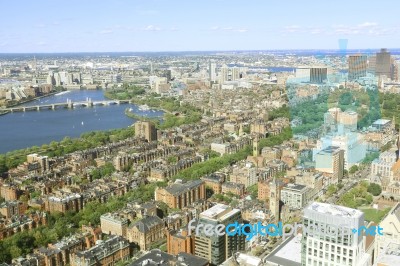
24,129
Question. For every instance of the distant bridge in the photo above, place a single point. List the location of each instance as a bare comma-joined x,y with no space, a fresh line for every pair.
69,104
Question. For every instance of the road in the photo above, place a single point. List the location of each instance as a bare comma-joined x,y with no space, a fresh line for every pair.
349,183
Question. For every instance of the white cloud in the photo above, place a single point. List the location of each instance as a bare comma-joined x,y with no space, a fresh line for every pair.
229,29
367,25
365,28
151,28
346,30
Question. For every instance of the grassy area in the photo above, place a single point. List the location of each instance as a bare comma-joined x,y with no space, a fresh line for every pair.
374,214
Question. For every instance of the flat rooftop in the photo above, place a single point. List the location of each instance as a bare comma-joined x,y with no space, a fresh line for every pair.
243,260
381,122
219,212
333,210
329,150
296,187
288,253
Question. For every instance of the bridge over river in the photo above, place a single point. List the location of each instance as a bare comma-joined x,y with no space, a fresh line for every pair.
69,104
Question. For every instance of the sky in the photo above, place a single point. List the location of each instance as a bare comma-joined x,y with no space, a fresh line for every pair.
195,25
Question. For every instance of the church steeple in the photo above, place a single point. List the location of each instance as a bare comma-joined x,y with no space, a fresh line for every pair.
275,199
256,143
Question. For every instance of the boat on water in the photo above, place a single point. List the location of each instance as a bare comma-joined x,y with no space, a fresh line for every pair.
130,109
61,93
144,107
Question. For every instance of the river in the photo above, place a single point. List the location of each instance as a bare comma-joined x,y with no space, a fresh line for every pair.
20,130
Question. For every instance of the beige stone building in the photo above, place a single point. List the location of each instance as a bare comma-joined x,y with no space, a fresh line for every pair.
114,224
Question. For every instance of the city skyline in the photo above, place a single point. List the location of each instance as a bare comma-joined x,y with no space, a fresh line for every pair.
218,25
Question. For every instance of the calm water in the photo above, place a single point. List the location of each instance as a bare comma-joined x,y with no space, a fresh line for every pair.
21,130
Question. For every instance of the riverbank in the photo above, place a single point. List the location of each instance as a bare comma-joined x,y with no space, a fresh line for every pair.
35,128
33,99
129,114
139,101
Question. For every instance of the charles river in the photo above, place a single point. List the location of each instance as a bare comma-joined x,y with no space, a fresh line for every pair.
20,130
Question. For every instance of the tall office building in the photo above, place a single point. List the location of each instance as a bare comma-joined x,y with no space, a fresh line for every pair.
318,74
217,249
371,64
395,70
303,74
383,63
57,79
145,129
235,73
312,74
224,74
331,160
229,74
357,66
212,71
335,244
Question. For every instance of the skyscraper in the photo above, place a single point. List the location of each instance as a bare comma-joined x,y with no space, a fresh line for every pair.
371,64
212,71
334,243
357,66
318,74
331,160
217,249
224,74
383,63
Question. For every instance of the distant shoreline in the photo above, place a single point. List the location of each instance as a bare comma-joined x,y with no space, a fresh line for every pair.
33,99
335,50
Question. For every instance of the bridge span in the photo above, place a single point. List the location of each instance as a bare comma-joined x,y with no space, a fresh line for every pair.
69,104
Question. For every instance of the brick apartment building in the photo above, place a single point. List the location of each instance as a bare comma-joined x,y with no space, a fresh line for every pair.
180,195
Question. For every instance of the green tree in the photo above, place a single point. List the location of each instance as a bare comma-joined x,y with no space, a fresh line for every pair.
353,169
374,189
331,190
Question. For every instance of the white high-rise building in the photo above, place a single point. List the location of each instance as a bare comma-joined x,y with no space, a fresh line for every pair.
338,247
213,71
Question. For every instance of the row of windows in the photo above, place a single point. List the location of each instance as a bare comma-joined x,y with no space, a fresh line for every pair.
325,263
328,247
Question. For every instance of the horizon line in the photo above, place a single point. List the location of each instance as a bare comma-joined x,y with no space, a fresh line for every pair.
187,51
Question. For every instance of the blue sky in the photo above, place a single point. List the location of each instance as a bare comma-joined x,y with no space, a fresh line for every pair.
198,25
